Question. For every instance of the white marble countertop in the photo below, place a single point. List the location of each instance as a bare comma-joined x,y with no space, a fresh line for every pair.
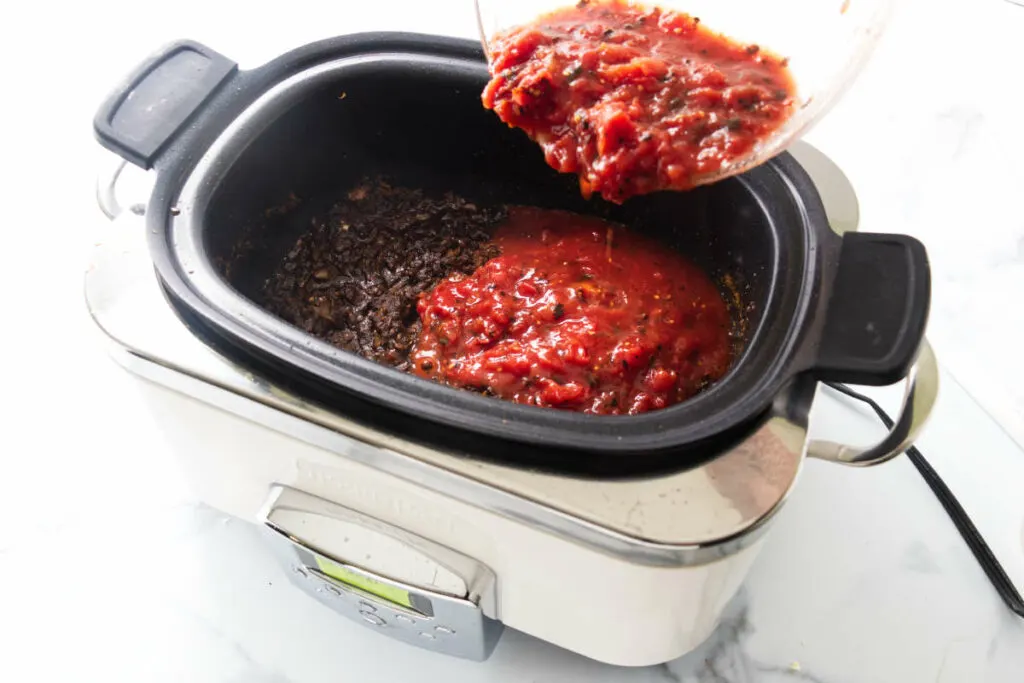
109,571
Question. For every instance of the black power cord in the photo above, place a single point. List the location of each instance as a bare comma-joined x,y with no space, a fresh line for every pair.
995,572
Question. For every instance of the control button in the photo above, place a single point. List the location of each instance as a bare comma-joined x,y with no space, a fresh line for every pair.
332,590
445,630
428,636
404,619
367,606
300,571
372,619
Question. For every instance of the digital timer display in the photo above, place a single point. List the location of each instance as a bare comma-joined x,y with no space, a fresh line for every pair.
366,584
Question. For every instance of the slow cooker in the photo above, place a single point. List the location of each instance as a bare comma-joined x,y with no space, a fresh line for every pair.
439,516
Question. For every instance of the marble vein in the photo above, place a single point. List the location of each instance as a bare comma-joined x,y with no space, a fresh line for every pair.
725,656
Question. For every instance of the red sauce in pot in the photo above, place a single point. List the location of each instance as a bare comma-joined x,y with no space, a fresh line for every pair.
576,314
635,100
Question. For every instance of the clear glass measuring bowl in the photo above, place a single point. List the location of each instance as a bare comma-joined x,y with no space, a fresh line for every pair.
827,43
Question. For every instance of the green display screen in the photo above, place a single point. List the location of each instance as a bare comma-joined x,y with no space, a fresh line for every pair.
350,578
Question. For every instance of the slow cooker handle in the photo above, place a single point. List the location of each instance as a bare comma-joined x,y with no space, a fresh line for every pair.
151,106
877,310
874,335
922,389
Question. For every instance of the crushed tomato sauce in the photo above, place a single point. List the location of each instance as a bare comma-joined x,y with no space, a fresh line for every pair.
635,100
579,314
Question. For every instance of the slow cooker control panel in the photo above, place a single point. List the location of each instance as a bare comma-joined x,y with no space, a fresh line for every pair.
436,622
450,620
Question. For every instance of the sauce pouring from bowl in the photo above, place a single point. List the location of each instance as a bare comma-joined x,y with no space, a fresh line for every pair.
635,99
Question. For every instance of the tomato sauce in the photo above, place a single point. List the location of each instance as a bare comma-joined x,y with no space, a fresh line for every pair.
635,100
578,314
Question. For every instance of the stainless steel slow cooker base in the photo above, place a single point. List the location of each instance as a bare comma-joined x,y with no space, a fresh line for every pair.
687,518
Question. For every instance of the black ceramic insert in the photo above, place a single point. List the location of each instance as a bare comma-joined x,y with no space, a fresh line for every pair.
820,307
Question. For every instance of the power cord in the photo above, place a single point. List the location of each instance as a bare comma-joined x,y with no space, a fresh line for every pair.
979,548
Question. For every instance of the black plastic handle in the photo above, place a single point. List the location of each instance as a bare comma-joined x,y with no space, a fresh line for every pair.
150,107
877,312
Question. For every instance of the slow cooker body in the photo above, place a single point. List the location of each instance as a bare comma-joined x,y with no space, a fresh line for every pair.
236,150
320,447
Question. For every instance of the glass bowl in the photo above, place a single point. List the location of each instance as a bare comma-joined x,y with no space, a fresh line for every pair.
827,42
